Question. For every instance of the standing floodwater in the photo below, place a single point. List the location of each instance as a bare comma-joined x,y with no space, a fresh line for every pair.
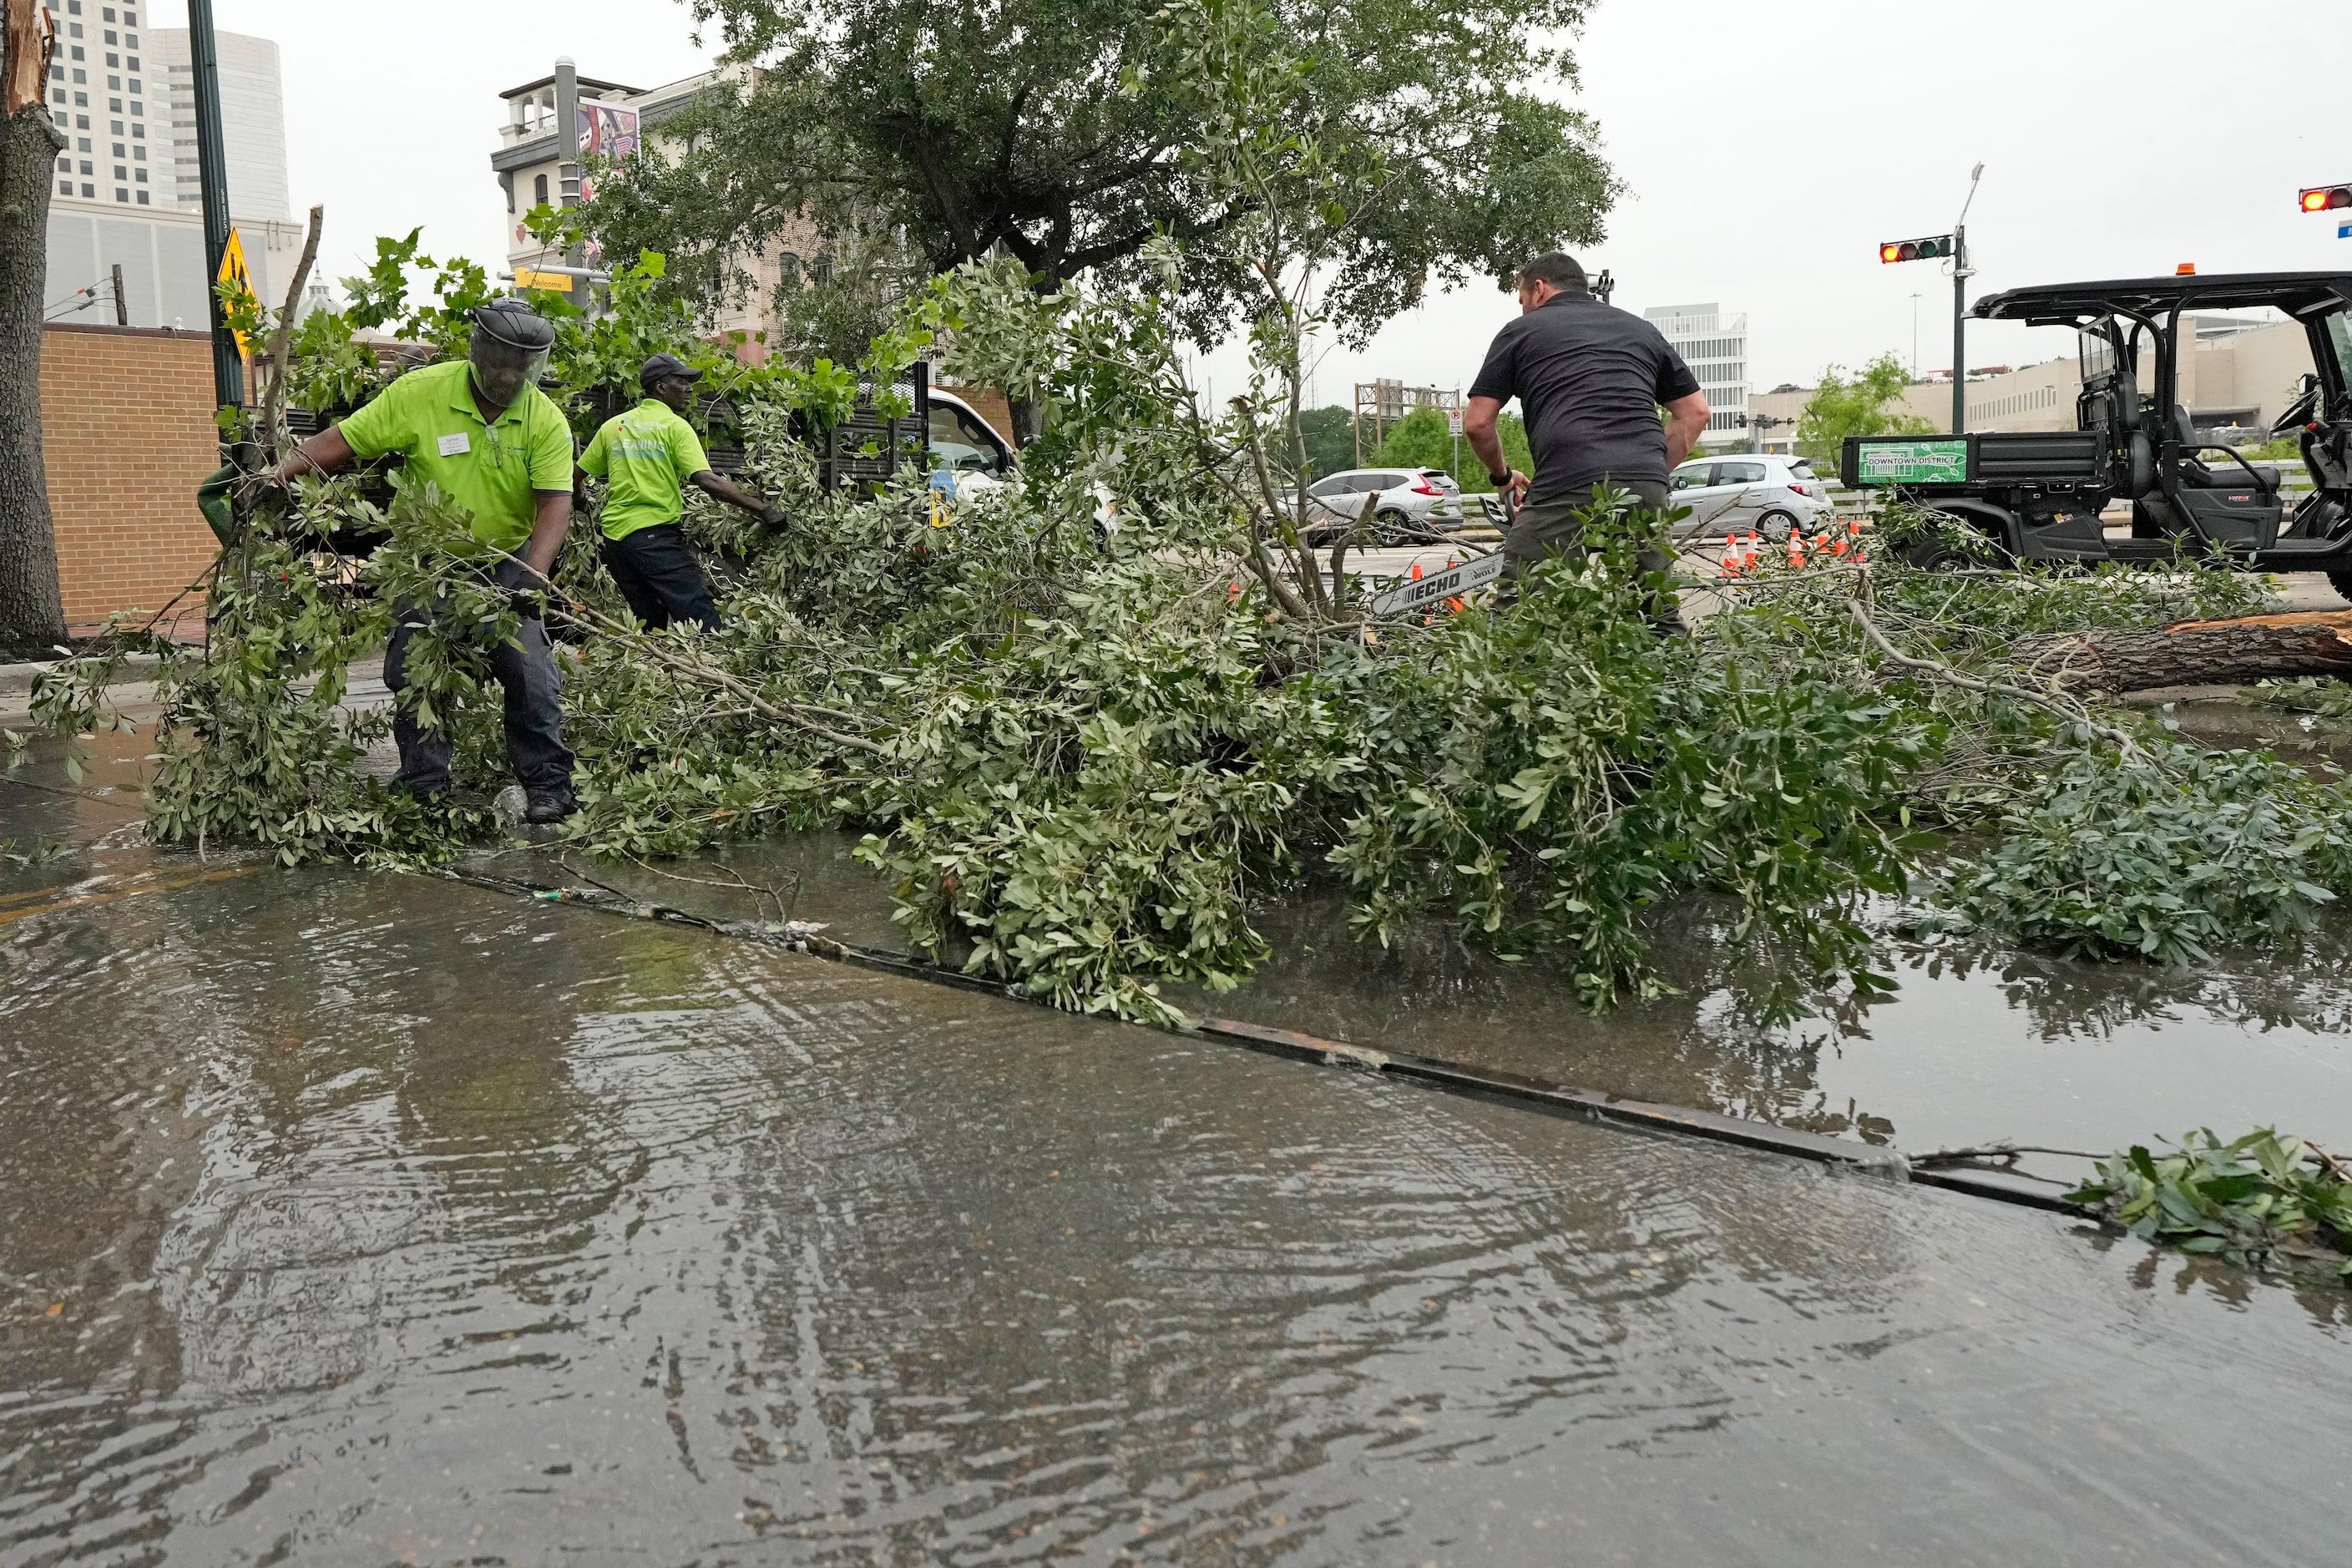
352,1218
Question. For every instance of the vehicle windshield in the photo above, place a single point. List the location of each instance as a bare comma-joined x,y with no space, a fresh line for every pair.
2097,350
956,445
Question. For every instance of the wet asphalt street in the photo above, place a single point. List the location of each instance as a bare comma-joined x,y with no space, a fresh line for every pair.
362,1219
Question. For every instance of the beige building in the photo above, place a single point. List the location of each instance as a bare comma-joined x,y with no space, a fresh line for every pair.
616,121
2242,375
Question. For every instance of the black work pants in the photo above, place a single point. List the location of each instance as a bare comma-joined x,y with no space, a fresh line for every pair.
530,683
657,573
1556,526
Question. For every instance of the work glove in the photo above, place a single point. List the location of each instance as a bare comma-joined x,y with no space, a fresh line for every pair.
263,489
528,600
772,519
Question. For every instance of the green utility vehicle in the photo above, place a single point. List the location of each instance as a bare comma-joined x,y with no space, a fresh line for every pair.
2038,494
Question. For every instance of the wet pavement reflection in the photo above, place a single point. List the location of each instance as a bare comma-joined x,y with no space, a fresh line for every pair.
368,1218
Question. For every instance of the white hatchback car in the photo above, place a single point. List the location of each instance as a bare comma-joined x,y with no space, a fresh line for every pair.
1767,493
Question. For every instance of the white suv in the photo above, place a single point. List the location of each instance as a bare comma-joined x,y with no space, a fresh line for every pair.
1416,505
1747,491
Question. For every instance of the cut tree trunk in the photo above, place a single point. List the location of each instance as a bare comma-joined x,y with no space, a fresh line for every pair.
2195,653
32,616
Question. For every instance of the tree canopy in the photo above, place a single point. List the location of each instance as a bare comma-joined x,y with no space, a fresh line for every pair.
1058,132
1421,440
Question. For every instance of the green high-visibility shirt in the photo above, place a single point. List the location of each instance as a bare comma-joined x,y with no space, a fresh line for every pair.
645,455
428,415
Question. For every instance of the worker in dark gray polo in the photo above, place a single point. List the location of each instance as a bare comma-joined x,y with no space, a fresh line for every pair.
1591,380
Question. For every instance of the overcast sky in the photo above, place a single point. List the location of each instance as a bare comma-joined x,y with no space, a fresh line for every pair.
1767,149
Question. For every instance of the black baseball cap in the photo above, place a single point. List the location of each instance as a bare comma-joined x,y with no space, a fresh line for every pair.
661,367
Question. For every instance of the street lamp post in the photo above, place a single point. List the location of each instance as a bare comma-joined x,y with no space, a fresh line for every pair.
211,169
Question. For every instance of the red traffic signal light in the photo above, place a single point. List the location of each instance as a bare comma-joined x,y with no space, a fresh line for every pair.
1928,250
2326,198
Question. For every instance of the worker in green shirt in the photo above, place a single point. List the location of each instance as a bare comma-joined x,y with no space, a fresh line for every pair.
498,447
648,456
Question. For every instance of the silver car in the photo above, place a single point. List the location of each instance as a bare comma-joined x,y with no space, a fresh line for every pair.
1744,491
1415,505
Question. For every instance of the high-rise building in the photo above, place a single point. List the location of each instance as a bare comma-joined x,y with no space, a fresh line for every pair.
99,97
128,194
253,122
1714,346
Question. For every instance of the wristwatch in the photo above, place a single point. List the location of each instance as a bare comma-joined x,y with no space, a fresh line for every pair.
1498,480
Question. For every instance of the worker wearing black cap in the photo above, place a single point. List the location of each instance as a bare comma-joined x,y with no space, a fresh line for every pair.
648,456
481,430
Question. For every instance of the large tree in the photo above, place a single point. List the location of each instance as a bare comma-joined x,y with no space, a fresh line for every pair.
32,616
1062,133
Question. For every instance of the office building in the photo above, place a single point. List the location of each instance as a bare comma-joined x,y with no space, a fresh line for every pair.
128,194
253,122
614,121
1714,346
100,80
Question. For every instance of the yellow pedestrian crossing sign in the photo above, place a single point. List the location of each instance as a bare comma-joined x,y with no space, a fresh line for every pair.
233,270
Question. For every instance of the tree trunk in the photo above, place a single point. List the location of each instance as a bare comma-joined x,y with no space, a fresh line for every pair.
2196,653
32,616
1028,419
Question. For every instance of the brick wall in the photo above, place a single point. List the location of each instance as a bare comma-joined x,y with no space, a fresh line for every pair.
127,431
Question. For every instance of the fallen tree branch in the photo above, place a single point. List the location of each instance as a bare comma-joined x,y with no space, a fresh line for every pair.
679,662
2188,653
273,407
2048,702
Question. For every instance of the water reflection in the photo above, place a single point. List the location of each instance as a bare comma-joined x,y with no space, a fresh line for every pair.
404,1222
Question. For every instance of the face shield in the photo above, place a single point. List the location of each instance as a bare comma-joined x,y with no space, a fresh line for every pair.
509,351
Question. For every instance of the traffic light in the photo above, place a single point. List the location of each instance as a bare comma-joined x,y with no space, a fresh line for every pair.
1934,248
2326,198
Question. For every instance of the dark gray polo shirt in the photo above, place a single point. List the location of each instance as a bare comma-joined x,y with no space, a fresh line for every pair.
1590,379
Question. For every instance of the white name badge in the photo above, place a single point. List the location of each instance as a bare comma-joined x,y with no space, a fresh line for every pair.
453,445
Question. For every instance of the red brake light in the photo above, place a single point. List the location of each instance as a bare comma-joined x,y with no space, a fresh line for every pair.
1422,486
1800,489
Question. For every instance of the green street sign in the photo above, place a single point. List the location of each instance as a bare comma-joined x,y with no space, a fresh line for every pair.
1900,462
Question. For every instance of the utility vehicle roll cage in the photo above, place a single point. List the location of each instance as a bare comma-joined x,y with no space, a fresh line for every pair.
2039,493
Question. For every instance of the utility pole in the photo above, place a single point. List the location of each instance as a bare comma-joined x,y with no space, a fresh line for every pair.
122,306
568,171
1961,273
212,167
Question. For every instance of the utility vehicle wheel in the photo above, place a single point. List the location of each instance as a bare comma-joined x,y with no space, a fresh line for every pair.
1775,526
1396,528
1932,554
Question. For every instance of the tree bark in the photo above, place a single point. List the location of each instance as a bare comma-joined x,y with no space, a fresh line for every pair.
1028,419
32,615
2195,653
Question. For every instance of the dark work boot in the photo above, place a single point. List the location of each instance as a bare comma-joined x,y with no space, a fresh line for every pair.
547,807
